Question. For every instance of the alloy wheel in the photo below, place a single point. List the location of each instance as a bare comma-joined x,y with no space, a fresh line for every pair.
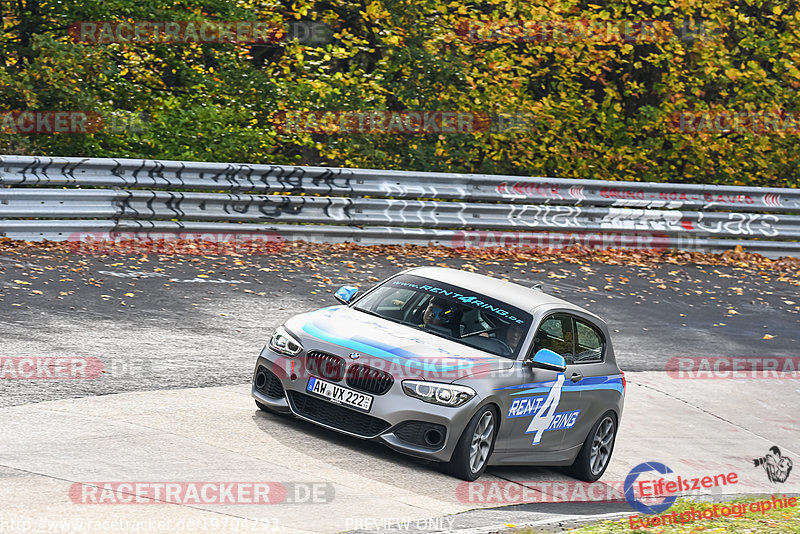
601,445
481,442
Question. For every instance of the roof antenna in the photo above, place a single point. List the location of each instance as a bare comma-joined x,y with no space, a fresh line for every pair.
537,286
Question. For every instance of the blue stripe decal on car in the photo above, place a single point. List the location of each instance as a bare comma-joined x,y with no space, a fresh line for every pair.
574,387
548,384
589,383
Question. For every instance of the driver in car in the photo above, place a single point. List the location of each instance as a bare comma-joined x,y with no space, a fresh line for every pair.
438,313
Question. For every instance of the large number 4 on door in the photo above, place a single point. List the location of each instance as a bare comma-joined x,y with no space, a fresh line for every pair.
544,416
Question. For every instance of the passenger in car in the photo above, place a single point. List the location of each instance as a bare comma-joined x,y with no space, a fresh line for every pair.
513,336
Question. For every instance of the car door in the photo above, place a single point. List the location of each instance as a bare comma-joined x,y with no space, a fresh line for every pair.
592,377
544,405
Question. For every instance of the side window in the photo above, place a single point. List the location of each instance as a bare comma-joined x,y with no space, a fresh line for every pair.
555,333
589,343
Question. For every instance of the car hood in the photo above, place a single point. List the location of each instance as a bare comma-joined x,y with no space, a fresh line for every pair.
401,350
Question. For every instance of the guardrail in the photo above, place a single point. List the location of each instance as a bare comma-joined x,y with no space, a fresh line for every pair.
83,198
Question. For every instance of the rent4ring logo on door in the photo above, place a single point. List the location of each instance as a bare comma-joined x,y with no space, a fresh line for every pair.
544,413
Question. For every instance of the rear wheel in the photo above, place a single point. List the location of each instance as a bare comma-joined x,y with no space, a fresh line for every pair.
475,446
595,455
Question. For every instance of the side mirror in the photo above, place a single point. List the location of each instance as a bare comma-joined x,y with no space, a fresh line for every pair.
345,294
547,359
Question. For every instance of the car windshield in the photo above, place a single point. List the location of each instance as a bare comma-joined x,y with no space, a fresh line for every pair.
451,312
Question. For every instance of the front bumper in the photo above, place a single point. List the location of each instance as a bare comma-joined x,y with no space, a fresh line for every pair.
403,423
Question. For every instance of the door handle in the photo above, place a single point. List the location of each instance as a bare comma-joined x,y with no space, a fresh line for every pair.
576,377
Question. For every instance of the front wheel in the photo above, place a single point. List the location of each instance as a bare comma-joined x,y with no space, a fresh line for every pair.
475,446
595,455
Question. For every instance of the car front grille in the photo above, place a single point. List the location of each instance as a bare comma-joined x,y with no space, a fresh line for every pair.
267,383
325,365
337,416
369,379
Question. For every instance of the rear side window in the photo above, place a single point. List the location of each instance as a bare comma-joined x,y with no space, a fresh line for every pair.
589,343
555,333
578,341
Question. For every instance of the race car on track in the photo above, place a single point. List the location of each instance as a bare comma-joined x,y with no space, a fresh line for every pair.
454,367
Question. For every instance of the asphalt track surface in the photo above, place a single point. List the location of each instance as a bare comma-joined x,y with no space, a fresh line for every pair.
178,336
199,322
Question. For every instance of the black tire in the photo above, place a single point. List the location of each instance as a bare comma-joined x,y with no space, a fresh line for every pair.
461,463
582,468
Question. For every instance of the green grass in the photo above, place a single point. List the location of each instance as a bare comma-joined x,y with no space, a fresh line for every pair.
780,520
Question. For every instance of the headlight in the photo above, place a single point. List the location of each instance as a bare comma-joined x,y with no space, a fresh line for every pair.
283,342
436,393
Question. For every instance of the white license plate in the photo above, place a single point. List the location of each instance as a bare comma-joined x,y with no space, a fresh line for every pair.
338,394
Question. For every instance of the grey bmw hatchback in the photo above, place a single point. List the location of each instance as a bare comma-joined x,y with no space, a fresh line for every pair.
455,367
